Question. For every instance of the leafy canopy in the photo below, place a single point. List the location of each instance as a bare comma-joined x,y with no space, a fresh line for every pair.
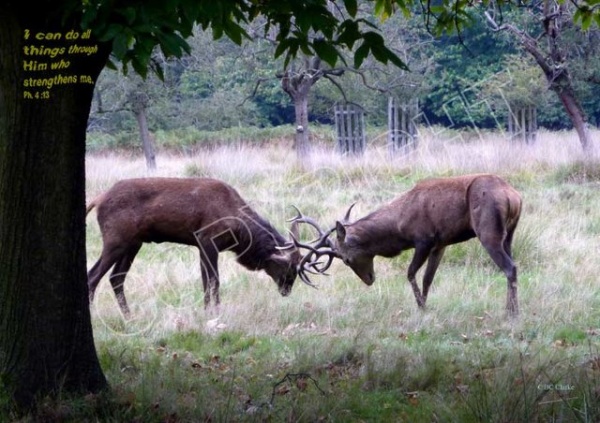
313,27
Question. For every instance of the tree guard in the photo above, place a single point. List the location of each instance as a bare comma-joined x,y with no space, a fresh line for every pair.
522,124
350,128
402,131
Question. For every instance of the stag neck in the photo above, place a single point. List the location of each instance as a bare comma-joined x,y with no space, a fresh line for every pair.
257,240
380,234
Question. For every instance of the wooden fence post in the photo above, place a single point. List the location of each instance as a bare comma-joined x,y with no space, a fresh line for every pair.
522,123
402,131
350,128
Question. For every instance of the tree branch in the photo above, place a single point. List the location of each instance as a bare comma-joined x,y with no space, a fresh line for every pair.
338,86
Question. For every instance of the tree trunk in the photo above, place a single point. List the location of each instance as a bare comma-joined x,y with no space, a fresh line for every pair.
138,99
46,342
297,85
147,143
301,140
576,114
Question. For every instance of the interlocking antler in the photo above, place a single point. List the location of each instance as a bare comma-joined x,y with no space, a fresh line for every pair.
317,248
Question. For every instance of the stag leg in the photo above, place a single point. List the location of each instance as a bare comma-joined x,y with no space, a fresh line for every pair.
497,251
109,256
432,264
117,277
508,242
210,274
421,254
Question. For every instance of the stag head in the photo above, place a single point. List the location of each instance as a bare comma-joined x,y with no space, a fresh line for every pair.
282,267
345,247
353,254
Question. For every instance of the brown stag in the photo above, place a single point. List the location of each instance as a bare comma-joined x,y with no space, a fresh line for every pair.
434,214
201,212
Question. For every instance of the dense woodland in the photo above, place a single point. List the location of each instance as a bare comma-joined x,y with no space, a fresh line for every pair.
461,80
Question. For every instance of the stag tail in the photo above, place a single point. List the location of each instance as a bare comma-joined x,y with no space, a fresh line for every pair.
93,203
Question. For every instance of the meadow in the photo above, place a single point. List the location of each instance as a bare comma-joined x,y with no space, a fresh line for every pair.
346,352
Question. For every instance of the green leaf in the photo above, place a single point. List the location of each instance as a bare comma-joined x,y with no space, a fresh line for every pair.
326,51
235,32
304,22
217,31
129,13
305,47
111,32
373,38
140,66
360,54
349,33
351,7
111,65
586,22
397,61
120,45
292,52
383,9
172,44
282,47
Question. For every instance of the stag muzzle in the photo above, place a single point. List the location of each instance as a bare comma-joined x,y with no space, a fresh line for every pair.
285,290
368,278
364,269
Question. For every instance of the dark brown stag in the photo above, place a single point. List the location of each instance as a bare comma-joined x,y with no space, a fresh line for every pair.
201,212
434,214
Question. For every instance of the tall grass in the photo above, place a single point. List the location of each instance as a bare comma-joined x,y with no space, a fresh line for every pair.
347,352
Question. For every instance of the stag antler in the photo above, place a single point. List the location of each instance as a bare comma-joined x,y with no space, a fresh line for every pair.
317,248
347,216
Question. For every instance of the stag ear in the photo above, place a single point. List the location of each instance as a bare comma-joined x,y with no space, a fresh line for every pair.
340,229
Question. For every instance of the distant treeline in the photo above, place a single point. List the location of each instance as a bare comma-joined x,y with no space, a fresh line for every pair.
459,82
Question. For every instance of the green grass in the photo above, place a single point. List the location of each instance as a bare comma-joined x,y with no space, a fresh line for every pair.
347,352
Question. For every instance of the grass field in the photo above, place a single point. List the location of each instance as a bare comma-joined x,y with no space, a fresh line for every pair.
347,352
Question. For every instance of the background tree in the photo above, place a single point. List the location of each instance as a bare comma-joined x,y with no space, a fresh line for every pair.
462,62
544,40
297,81
134,95
520,85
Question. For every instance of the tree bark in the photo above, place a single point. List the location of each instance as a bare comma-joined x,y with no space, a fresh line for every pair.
576,114
297,85
138,99
147,143
46,341
301,140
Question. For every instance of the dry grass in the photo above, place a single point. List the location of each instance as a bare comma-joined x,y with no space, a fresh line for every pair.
553,236
556,247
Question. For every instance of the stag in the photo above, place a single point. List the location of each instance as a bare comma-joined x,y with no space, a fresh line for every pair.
434,214
201,212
